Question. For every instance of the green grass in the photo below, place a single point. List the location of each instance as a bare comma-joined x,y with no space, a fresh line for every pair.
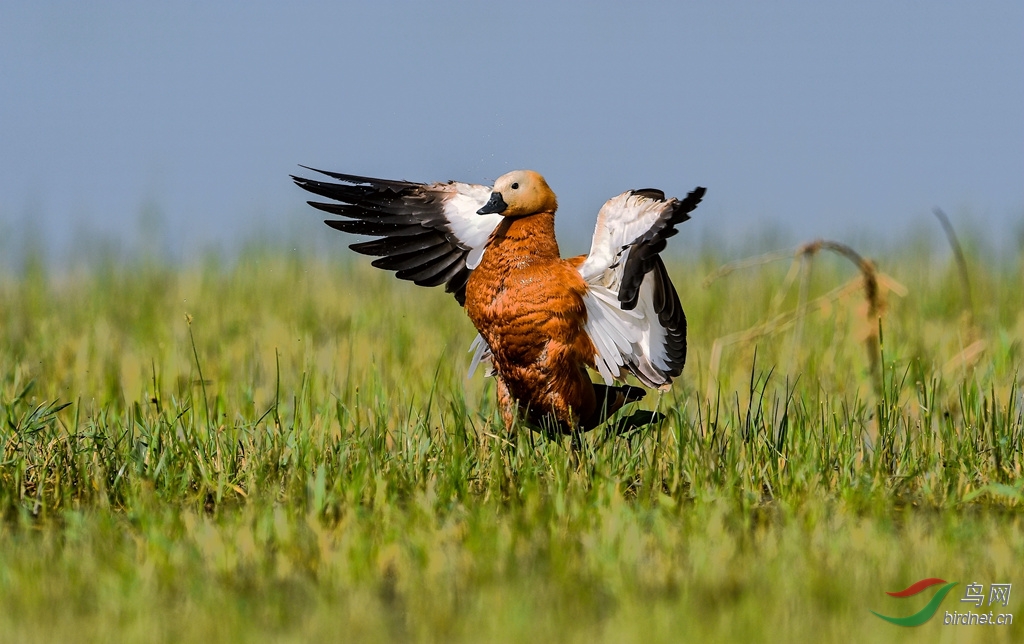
286,448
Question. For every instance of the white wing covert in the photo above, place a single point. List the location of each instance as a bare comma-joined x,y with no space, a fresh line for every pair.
634,317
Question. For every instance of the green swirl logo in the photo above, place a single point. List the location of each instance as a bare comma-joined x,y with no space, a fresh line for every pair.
929,610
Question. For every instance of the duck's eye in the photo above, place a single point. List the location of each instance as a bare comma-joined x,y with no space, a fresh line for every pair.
515,186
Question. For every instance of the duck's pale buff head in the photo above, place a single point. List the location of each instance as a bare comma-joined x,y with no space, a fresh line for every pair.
520,192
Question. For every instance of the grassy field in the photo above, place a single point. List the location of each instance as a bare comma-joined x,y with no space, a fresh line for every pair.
286,448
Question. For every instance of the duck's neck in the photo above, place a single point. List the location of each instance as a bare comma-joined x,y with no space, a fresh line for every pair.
532,237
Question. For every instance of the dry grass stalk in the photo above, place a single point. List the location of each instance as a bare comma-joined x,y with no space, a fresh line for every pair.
967,357
776,324
961,263
869,274
873,283
732,267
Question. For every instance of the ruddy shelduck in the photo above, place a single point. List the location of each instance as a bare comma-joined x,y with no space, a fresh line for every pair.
542,320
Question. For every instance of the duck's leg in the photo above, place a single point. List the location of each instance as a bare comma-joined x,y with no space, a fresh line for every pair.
507,405
610,400
637,420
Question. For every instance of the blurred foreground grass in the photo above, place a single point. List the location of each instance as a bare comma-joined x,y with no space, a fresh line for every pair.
286,448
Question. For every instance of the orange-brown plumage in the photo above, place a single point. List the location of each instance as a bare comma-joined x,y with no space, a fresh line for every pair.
527,303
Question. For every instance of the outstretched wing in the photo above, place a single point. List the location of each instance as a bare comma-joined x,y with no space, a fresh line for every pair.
634,317
429,234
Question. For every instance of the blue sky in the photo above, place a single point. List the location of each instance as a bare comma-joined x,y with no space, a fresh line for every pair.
817,119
